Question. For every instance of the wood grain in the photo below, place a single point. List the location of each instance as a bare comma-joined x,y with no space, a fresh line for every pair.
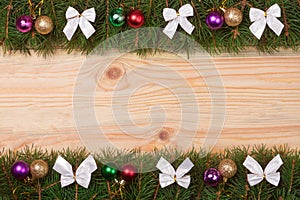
37,107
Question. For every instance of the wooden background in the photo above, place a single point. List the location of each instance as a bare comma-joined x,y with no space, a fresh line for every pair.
262,102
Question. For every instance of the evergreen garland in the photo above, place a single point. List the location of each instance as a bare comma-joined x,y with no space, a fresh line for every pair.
146,185
226,39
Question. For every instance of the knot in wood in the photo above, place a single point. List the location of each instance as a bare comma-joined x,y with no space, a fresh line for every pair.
164,135
114,73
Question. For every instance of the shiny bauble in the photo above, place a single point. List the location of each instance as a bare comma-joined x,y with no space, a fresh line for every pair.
214,20
212,177
24,23
109,171
39,169
128,172
135,18
116,17
227,168
20,170
43,25
233,16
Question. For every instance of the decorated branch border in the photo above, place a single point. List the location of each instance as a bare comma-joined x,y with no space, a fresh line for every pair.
237,173
218,26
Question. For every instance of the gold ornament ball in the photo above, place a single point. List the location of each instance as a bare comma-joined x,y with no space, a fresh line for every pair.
233,16
39,169
43,25
227,168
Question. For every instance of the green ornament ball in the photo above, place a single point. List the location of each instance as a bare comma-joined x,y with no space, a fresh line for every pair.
117,17
109,171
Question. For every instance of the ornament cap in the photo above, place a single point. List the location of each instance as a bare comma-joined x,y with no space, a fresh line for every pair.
223,8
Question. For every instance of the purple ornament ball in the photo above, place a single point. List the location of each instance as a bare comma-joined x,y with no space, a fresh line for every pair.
212,177
214,20
24,23
20,169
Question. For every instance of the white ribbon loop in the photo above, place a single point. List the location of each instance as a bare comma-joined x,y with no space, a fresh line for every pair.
83,173
83,20
169,176
270,172
174,19
261,18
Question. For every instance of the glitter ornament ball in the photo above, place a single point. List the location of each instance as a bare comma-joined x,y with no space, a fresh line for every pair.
233,16
39,169
117,17
20,169
227,168
43,25
135,18
109,171
212,177
214,20
24,23
128,172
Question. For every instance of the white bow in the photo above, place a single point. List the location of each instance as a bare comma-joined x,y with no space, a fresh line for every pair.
258,174
261,18
83,173
169,176
174,19
75,19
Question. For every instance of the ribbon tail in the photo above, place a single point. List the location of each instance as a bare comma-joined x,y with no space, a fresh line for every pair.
165,180
66,180
258,27
273,178
184,181
71,27
84,171
275,24
254,179
65,169
186,25
170,29
84,179
86,27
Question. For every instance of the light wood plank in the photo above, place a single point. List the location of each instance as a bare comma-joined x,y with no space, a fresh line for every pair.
262,101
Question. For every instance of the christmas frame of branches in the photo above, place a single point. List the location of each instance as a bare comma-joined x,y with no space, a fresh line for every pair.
256,172
217,25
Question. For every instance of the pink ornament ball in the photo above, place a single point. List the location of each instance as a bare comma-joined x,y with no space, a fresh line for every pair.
24,23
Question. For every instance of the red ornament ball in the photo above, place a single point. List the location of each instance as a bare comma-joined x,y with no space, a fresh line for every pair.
135,18
128,172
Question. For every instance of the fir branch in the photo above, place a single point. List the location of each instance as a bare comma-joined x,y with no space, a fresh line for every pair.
9,181
226,39
292,175
146,185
